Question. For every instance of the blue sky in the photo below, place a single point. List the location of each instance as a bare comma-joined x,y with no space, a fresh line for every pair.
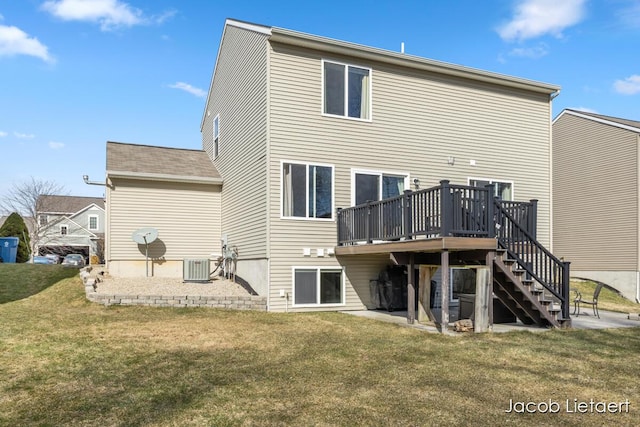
77,73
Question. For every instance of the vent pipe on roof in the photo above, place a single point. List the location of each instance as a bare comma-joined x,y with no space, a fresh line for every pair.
402,47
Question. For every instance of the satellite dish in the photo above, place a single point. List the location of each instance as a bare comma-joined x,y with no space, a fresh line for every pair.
144,236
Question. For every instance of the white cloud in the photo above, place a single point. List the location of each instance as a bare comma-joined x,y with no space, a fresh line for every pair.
56,145
585,109
110,14
14,41
3,134
628,86
188,88
23,135
630,16
534,18
530,52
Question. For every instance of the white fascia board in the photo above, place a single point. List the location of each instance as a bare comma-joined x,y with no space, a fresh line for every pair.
164,177
374,54
598,120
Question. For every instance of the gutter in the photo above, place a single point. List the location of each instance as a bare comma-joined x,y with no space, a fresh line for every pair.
143,176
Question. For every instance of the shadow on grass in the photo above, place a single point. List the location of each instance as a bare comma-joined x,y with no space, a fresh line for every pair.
18,281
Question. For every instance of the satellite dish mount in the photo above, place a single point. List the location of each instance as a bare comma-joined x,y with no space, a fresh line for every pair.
145,236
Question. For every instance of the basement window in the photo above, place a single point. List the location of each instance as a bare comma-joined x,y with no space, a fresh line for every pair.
317,286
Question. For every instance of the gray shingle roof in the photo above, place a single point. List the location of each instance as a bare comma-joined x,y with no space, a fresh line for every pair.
66,204
142,160
618,120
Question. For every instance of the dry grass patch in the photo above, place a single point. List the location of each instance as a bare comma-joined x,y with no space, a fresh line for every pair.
65,361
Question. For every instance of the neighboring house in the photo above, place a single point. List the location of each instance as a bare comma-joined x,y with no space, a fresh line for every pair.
71,224
596,203
298,126
175,191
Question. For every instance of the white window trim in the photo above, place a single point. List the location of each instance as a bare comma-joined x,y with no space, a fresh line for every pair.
333,190
346,77
318,270
64,226
97,223
216,151
491,181
380,173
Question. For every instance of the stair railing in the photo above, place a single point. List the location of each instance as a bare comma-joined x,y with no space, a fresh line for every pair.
531,256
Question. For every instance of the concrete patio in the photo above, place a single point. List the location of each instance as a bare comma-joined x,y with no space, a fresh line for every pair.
586,320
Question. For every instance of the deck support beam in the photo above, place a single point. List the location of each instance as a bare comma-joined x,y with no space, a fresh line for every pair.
446,281
483,300
424,294
411,292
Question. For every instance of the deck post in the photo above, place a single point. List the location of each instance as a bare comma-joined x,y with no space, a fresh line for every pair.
483,300
490,212
408,229
424,294
368,224
533,219
339,221
444,294
446,208
566,278
411,292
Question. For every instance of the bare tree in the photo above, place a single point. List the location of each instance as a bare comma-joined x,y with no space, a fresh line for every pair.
28,198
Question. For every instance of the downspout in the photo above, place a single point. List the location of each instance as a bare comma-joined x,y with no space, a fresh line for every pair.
552,96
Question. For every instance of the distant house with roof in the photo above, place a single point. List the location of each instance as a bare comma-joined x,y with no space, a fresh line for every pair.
70,224
175,191
596,197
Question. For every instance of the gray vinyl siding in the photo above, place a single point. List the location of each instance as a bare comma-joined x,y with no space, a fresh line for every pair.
418,120
239,97
187,217
595,195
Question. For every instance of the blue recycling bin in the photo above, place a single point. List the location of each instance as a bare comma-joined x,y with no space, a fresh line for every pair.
9,248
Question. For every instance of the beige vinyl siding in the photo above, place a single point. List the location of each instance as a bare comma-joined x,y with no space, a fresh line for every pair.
239,96
187,217
419,119
595,194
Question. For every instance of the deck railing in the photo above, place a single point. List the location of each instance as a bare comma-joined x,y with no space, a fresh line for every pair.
444,210
461,211
522,246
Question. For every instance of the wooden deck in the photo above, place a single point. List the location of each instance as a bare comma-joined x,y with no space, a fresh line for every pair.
432,245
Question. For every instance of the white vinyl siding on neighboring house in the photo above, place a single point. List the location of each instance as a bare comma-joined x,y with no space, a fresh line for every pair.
317,286
346,90
307,190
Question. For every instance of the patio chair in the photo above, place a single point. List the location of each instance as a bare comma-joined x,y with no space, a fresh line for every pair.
593,302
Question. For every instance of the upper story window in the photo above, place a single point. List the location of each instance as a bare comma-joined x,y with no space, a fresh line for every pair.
44,220
501,189
93,222
64,230
307,191
216,136
347,90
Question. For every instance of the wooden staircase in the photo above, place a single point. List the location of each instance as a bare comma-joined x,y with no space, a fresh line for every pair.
527,278
525,297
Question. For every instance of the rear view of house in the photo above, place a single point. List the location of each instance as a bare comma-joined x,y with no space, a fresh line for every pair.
596,203
298,130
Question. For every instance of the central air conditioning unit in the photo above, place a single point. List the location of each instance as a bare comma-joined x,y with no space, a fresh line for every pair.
195,270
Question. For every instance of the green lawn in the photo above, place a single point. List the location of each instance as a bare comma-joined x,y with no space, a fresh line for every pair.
65,361
19,281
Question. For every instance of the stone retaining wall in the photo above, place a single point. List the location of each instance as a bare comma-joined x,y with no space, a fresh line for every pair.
210,301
